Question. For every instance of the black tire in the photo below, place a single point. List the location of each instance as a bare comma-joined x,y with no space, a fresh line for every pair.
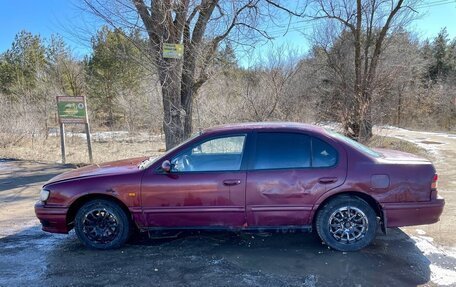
347,223
102,224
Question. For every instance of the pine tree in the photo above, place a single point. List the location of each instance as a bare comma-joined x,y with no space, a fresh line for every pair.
440,65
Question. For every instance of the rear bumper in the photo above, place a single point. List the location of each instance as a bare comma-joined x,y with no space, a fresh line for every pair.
53,219
414,213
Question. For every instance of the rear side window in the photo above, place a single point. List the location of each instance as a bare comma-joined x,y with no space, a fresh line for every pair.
323,155
282,150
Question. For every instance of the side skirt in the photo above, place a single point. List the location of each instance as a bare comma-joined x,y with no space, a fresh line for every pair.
276,229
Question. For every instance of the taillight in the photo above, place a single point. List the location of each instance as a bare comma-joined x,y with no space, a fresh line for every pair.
434,187
434,182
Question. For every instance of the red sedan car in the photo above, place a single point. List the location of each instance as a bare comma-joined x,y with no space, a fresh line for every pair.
257,176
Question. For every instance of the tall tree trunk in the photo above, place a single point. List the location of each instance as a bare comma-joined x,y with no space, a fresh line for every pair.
365,117
187,89
353,124
351,121
173,112
399,107
172,22
187,104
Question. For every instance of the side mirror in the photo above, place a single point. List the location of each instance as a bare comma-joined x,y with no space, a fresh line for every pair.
166,166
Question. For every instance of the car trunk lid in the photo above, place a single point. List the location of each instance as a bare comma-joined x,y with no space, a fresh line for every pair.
399,156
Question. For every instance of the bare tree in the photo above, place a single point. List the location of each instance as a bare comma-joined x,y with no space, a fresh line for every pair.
369,23
201,26
265,86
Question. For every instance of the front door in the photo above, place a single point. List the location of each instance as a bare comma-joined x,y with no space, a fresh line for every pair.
206,186
287,174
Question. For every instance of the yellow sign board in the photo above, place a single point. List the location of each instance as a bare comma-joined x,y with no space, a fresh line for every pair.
173,51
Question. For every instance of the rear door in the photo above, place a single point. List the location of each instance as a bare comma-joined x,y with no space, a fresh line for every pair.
287,173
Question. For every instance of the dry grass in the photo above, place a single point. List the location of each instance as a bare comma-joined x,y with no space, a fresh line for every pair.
397,144
48,150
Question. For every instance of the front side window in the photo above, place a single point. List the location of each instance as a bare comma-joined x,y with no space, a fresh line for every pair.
282,150
218,154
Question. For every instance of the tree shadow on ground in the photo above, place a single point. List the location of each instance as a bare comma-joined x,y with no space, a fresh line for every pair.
13,181
20,174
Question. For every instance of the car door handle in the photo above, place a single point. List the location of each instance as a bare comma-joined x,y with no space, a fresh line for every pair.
326,180
231,182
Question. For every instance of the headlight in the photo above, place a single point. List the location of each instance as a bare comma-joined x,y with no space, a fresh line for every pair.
44,194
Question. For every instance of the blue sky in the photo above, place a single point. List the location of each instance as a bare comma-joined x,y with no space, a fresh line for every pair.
45,17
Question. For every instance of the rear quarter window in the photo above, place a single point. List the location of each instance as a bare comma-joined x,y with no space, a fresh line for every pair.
354,144
323,154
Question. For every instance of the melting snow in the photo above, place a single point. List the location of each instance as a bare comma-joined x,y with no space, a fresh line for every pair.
420,231
425,244
439,275
442,276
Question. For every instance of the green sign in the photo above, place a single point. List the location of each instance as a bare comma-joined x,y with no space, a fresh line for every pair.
72,110
173,51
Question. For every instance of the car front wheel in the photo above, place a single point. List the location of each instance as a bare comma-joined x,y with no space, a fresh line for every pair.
102,224
347,223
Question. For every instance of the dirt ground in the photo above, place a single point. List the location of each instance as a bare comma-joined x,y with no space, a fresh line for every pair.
420,255
442,150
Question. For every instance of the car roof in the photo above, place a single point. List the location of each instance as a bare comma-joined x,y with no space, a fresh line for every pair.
241,127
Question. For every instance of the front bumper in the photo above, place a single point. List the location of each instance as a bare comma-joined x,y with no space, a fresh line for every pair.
413,213
53,219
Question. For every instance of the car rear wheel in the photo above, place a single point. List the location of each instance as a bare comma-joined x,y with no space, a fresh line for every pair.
347,223
102,224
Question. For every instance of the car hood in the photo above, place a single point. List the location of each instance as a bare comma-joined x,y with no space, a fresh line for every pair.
108,168
399,156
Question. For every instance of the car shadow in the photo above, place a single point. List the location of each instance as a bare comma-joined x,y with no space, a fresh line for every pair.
212,259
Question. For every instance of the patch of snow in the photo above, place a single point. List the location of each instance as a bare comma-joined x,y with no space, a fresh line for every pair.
442,276
387,127
15,228
433,149
439,275
337,127
420,231
425,244
439,134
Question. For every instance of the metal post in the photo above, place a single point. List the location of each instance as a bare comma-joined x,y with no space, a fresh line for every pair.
62,141
89,141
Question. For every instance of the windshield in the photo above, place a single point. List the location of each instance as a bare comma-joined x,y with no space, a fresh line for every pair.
358,146
150,161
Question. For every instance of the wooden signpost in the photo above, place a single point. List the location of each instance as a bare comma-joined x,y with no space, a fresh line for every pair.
73,110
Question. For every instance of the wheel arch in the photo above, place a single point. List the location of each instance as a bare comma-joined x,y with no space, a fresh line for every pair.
364,196
79,202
